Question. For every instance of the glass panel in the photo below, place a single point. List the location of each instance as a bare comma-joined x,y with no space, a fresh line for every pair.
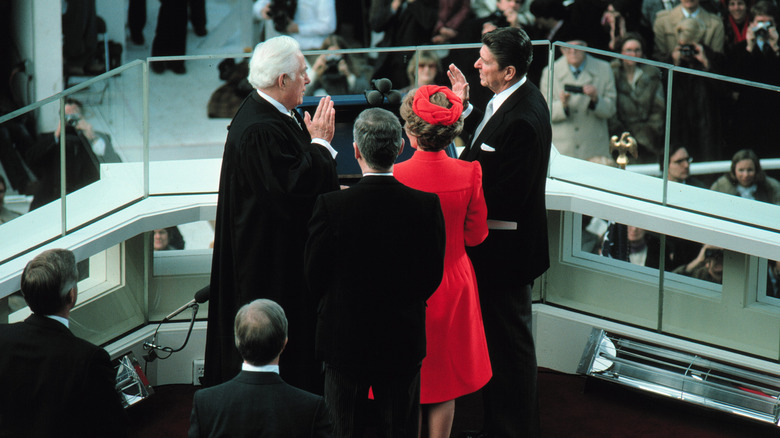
105,127
583,96
16,178
772,289
182,266
179,124
106,307
30,159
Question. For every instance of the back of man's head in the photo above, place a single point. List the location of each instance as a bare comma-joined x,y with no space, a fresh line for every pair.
273,58
510,46
377,133
260,331
47,280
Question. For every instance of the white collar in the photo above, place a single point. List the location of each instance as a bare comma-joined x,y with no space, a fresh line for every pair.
274,102
260,369
501,97
693,14
64,321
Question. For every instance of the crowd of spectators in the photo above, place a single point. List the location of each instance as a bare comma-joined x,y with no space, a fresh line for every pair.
712,119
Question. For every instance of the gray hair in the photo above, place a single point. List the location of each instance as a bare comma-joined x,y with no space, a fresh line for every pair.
47,279
377,133
273,58
260,331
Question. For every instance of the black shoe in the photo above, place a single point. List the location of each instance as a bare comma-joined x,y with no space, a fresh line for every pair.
177,67
157,66
201,31
137,38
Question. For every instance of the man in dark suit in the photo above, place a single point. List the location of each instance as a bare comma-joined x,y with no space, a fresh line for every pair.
274,166
53,383
375,254
257,402
512,143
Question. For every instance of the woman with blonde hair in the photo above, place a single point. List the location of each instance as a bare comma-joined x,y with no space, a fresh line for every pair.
457,361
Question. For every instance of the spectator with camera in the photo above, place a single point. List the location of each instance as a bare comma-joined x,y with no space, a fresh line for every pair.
516,12
583,99
667,22
337,74
308,21
85,149
697,101
756,59
707,266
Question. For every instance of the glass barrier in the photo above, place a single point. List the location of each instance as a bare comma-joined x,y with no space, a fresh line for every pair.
180,123
89,131
187,121
712,120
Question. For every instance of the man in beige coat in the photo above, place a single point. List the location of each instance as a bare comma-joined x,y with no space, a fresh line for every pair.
584,98
665,28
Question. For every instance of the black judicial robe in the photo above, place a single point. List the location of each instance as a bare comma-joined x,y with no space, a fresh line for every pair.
271,175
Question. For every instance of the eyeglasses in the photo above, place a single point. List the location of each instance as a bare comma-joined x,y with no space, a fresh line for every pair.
689,160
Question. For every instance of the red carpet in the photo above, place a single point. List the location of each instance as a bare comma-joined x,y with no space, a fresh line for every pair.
571,406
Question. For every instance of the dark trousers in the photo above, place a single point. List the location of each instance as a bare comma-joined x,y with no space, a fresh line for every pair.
396,396
136,15
79,32
511,404
170,37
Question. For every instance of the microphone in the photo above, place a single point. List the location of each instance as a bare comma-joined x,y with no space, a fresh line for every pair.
383,85
394,97
374,97
201,296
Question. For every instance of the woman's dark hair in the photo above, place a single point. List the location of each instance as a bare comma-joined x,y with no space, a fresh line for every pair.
746,154
628,37
429,137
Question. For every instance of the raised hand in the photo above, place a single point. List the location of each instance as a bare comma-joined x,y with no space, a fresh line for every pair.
323,124
459,84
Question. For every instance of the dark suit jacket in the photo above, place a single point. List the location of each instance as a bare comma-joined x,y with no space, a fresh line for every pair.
55,384
514,177
271,175
375,253
258,404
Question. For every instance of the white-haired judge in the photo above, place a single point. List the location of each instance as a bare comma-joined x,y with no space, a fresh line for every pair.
274,165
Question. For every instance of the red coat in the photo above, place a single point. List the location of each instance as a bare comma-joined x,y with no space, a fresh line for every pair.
457,361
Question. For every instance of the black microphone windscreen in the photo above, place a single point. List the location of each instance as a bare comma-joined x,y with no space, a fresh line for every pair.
203,295
394,97
383,85
374,98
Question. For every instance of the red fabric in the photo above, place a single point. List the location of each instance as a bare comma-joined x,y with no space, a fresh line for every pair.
457,361
739,34
435,114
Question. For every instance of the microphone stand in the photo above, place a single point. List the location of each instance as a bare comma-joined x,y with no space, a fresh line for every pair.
152,348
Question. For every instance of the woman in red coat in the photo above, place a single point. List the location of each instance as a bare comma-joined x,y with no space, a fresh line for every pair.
457,360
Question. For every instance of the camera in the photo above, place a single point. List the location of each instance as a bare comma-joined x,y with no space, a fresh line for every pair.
332,66
688,50
569,88
282,12
761,30
498,18
72,119
710,253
